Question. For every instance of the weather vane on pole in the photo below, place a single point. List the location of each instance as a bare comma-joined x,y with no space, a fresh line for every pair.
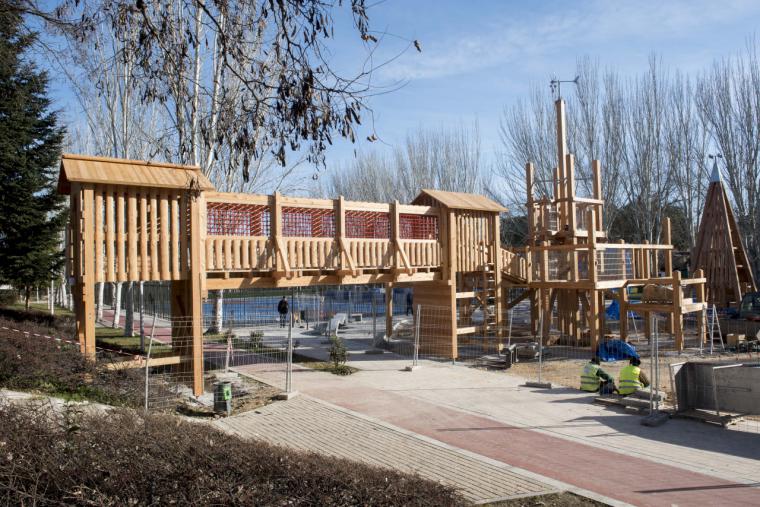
556,85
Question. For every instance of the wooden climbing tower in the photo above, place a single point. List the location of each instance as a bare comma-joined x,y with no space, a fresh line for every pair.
719,250
573,267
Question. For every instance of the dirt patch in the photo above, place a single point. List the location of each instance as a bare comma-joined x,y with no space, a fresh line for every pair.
556,500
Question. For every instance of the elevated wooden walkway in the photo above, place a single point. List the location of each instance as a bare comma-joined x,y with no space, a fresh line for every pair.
141,221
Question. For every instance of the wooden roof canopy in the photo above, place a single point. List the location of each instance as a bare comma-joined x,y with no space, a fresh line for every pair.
137,173
458,200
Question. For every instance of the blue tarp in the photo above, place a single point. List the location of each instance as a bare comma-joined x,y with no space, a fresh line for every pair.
616,350
613,311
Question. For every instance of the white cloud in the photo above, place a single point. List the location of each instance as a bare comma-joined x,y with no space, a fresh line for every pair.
596,25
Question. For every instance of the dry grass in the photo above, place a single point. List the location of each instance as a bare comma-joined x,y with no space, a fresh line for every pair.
120,458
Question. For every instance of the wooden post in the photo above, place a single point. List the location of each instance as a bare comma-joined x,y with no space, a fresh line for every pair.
529,182
623,303
667,241
85,265
497,267
700,296
276,231
677,310
596,169
570,194
195,291
395,234
594,308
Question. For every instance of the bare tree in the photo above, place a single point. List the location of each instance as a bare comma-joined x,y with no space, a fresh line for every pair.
648,179
686,145
445,159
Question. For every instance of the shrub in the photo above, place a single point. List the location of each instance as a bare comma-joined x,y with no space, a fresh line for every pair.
338,356
122,459
29,362
257,339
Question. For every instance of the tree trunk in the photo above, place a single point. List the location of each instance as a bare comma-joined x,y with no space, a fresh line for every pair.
101,291
27,295
141,288
129,309
218,321
116,304
51,298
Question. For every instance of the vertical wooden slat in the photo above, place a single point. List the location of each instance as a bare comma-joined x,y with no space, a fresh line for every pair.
219,253
183,209
132,256
144,237
210,264
99,236
236,253
175,239
164,238
244,251
121,258
110,228
154,255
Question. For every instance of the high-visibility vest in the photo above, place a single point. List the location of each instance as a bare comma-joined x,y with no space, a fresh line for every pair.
629,380
589,380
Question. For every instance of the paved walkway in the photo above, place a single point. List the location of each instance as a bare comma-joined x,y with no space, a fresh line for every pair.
307,424
559,434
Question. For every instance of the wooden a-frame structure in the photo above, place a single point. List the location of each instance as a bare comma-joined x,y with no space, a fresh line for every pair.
719,250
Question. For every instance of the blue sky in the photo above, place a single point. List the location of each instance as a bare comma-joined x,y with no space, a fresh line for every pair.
480,56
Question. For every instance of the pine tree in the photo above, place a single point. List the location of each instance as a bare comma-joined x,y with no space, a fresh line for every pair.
32,214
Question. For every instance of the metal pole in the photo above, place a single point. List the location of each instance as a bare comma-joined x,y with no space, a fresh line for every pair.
712,328
142,316
652,360
289,369
656,369
147,360
540,344
416,358
374,318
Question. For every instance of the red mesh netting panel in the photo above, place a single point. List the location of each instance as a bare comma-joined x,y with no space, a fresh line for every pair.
308,222
368,224
418,226
226,219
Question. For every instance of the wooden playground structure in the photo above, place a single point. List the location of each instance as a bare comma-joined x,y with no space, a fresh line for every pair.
142,221
573,267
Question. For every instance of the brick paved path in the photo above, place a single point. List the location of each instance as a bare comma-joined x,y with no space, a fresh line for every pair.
309,425
558,434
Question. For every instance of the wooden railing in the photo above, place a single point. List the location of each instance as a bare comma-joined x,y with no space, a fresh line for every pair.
613,262
514,265
137,233
311,235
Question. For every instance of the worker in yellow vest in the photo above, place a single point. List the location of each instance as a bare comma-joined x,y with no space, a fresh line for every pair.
594,378
632,378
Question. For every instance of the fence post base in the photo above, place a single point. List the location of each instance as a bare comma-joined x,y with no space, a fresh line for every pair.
286,396
539,385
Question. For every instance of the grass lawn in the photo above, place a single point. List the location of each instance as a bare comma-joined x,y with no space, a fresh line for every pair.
42,307
113,338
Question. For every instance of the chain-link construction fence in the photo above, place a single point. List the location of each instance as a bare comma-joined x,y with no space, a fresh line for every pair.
249,339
